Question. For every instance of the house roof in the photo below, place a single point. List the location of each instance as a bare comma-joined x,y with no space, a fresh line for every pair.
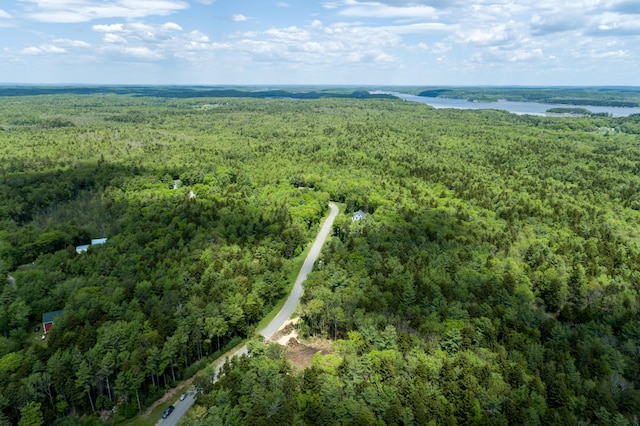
94,242
50,316
359,215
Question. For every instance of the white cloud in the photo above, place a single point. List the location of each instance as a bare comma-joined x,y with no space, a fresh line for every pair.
31,51
108,28
293,34
440,47
114,39
171,26
331,5
380,10
43,50
613,54
385,58
425,27
137,32
524,55
345,34
614,24
134,53
318,45
496,33
72,43
490,34
74,11
198,37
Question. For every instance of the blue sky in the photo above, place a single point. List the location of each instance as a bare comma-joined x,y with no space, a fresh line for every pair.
385,42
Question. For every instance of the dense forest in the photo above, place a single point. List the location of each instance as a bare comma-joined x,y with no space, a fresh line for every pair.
287,92
494,279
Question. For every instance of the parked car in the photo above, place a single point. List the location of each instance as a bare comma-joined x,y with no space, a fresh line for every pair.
168,411
183,396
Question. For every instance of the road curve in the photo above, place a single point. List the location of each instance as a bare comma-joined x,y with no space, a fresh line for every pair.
181,407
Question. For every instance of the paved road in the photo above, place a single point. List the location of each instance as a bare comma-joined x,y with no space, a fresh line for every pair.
296,292
285,313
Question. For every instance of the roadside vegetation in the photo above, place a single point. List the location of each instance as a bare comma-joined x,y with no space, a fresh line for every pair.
494,279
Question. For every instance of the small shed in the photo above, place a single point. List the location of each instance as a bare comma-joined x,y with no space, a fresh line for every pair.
358,215
98,241
48,318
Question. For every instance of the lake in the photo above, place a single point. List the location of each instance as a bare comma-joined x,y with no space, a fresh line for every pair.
532,108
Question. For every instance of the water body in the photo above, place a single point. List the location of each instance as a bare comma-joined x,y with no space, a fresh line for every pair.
532,108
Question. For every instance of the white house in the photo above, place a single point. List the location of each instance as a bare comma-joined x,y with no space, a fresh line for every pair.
358,215
82,249
94,242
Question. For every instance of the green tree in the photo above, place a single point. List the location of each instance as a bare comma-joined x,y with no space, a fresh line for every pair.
30,415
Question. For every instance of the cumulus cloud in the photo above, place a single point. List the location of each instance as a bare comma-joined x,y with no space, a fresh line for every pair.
133,53
317,44
613,24
74,11
390,34
496,55
114,39
171,26
496,33
137,32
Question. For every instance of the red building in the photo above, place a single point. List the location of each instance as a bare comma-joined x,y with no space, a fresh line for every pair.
47,320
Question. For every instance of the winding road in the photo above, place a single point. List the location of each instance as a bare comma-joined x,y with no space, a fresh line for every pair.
181,407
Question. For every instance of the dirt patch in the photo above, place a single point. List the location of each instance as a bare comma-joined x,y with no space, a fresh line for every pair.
285,332
299,352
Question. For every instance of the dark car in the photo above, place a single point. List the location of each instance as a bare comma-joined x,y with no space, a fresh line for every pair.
168,411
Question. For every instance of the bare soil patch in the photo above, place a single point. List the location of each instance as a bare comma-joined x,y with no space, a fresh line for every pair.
299,352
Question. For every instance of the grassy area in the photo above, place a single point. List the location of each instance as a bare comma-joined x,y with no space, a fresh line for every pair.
156,414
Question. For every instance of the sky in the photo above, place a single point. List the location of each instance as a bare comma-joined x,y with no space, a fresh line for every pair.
333,42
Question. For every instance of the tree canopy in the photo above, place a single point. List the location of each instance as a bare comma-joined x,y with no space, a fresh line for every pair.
494,279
